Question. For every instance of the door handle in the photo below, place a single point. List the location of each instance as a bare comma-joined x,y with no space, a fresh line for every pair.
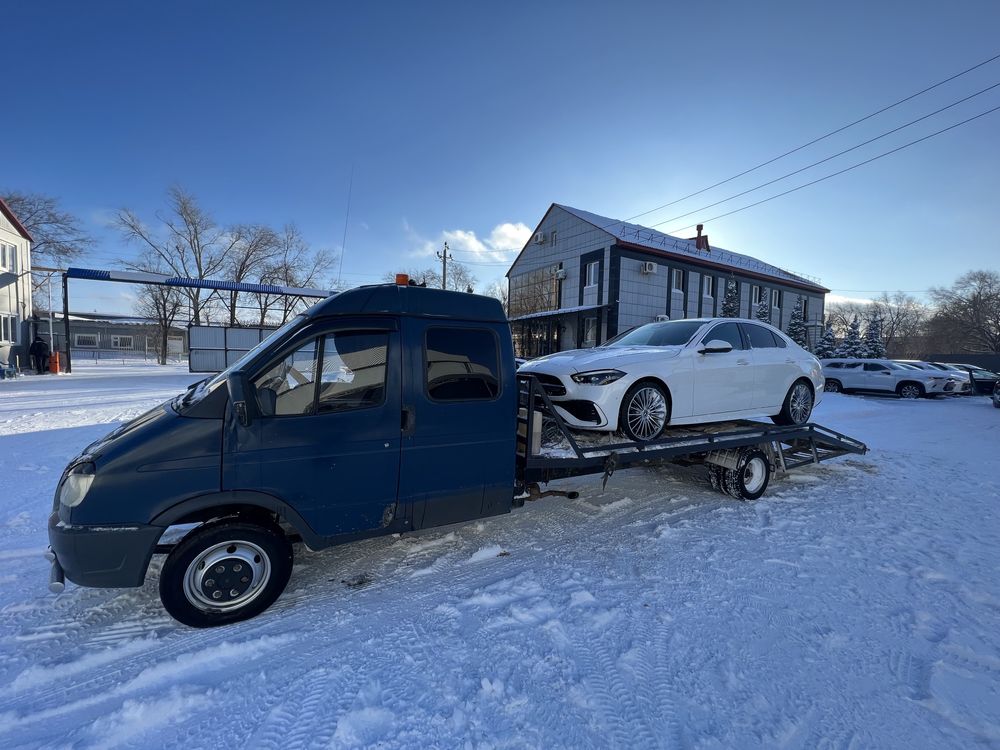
742,361
408,421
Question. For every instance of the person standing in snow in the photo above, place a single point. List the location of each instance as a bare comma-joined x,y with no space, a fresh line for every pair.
40,351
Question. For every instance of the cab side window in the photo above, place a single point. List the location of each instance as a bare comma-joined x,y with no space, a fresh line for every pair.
462,364
289,385
874,367
729,332
353,371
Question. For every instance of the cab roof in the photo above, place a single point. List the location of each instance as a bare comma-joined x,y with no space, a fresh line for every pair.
398,299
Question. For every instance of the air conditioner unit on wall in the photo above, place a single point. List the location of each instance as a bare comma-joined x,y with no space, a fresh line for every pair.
647,266
539,238
559,273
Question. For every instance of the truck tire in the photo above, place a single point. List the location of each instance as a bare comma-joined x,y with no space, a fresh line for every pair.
750,478
224,572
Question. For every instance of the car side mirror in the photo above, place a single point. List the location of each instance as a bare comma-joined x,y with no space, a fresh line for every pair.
715,346
239,389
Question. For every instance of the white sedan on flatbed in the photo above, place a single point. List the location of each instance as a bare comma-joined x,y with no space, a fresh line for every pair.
682,372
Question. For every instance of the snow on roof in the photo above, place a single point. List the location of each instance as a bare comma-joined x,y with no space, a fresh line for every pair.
637,234
561,311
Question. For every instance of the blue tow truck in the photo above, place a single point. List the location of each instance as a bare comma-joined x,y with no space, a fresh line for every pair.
380,410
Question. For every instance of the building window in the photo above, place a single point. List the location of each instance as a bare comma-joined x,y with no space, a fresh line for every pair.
593,273
805,308
121,342
708,284
85,339
589,332
552,238
8,257
8,328
678,280
755,294
775,298
533,292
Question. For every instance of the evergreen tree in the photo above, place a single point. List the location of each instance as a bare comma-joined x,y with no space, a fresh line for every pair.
827,346
797,331
731,302
852,345
873,338
763,311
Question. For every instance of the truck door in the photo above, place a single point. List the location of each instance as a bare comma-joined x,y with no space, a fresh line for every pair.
328,435
459,422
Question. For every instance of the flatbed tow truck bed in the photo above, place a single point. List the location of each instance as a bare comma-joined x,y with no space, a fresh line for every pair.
741,455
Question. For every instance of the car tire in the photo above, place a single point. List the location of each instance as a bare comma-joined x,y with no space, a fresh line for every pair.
910,390
644,411
251,565
749,480
798,405
832,386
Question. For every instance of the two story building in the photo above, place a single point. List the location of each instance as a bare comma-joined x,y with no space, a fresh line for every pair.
15,287
583,278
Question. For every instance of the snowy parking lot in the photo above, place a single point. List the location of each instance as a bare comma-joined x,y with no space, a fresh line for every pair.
857,605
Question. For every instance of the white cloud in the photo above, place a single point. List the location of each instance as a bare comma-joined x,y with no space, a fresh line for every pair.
503,241
836,299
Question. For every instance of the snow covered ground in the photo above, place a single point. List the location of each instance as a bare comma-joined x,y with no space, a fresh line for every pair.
856,606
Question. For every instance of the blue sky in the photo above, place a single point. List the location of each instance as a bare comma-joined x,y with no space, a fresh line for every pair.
465,120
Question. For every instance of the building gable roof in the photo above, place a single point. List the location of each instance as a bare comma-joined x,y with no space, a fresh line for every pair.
644,237
5,210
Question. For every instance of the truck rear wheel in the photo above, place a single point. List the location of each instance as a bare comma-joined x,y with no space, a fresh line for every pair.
749,479
225,572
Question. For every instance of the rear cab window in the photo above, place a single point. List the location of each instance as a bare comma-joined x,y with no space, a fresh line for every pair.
461,364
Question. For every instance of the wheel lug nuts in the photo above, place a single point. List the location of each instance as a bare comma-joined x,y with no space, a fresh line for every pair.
237,568
217,594
244,579
210,582
220,569
234,592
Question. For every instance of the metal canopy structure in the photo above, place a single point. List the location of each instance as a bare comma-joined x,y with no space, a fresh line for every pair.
156,279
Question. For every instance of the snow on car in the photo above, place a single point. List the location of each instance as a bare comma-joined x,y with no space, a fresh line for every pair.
682,372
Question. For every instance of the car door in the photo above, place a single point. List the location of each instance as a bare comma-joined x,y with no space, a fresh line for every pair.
723,381
773,367
878,377
852,376
327,439
460,411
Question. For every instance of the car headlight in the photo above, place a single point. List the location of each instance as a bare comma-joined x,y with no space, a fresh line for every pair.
597,377
77,484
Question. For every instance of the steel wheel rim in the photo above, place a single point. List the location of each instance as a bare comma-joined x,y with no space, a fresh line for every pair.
646,413
753,474
800,404
909,391
238,560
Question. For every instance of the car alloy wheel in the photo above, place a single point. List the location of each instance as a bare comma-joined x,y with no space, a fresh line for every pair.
646,413
832,386
910,391
800,403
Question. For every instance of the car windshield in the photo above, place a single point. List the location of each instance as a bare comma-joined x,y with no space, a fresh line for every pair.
668,333
202,388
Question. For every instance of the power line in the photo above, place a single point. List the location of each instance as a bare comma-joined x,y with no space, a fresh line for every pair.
821,138
830,158
846,169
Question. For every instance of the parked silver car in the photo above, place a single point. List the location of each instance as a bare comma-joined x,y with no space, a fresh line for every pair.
962,382
883,376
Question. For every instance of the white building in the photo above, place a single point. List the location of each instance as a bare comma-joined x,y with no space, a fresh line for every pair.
15,287
583,278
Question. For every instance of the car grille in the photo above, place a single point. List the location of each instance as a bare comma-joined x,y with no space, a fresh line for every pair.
552,385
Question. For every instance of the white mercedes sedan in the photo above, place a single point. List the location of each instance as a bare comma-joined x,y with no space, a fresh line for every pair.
682,372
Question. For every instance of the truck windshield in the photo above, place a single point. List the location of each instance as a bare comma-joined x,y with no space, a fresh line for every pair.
202,388
668,333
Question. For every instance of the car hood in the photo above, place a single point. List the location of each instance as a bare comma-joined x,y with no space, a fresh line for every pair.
601,357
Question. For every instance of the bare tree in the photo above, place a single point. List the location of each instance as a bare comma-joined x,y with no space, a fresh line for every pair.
294,263
971,308
902,320
57,237
187,243
500,290
161,304
249,259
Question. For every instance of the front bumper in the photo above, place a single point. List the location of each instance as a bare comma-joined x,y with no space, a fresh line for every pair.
585,407
108,556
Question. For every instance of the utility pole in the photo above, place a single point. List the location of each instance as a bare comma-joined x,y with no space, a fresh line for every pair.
445,257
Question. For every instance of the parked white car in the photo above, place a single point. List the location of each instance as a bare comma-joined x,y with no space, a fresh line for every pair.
962,382
884,376
682,372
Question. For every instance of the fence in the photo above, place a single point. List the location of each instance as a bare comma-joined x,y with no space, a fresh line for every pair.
214,348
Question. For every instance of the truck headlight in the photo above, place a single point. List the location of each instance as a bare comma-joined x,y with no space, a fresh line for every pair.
77,484
597,377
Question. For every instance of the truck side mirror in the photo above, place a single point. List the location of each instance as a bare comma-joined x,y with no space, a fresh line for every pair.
239,391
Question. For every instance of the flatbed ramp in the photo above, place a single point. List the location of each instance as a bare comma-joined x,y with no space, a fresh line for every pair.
741,455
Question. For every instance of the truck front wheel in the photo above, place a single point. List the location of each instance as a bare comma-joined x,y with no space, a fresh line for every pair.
225,572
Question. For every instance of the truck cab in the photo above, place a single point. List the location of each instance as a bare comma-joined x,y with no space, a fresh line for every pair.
382,409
